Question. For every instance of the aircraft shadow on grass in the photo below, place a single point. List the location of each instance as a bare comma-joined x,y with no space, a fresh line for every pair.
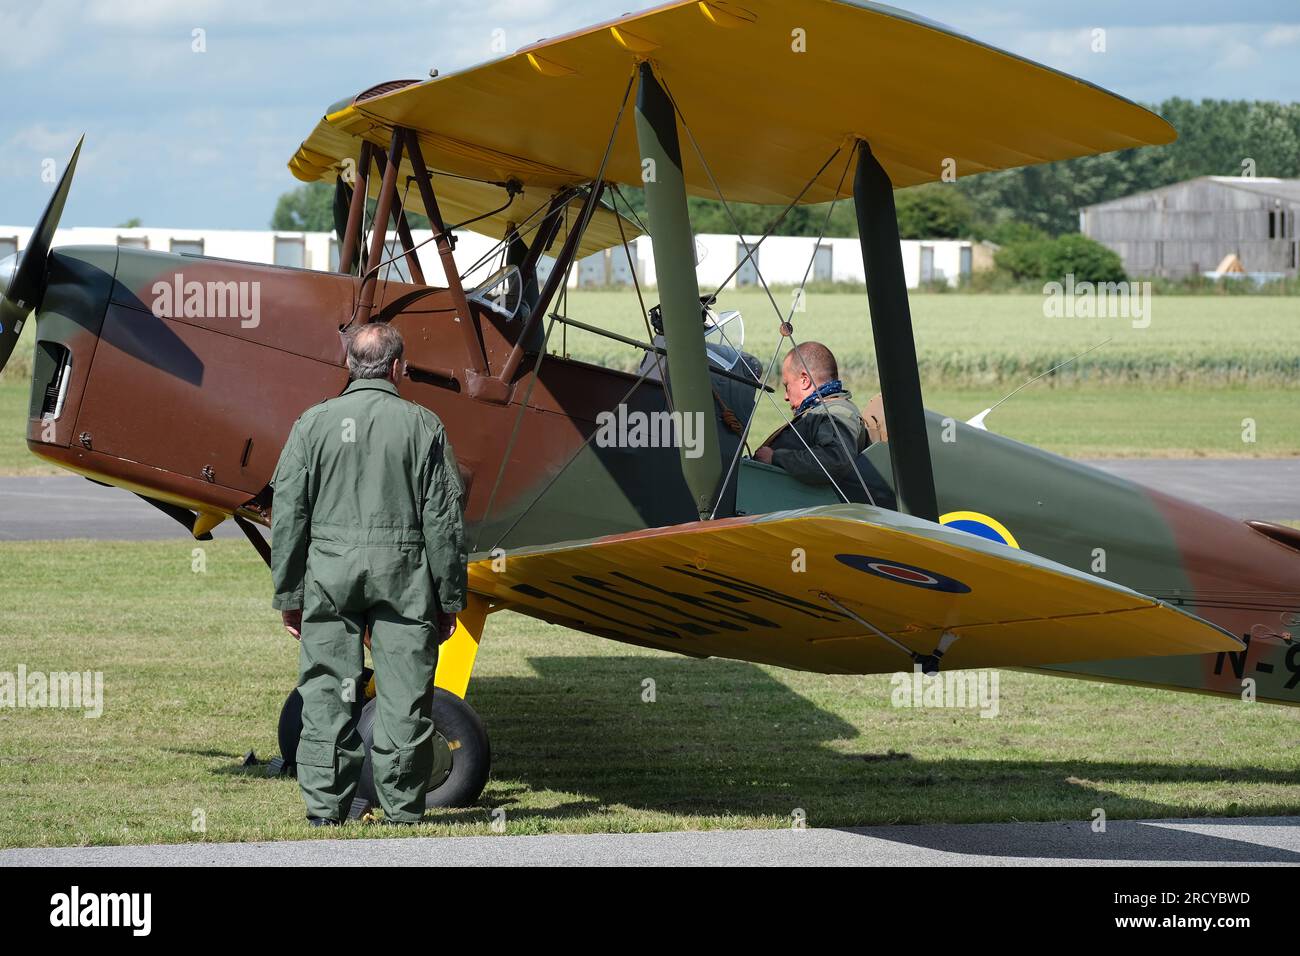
726,737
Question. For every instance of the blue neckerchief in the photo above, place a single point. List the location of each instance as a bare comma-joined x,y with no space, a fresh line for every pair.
833,387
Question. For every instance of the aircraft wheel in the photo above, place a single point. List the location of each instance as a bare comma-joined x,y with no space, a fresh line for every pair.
462,756
290,728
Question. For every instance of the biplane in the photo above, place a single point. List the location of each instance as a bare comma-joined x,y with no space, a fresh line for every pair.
964,549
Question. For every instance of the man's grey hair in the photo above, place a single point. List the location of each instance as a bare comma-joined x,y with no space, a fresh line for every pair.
372,349
816,359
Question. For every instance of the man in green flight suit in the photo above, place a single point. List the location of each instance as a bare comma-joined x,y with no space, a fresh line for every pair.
367,534
827,432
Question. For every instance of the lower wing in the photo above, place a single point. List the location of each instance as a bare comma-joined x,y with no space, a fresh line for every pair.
838,589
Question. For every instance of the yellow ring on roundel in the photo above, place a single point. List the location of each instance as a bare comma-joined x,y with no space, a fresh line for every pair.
974,517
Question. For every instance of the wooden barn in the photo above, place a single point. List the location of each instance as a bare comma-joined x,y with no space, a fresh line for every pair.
1191,227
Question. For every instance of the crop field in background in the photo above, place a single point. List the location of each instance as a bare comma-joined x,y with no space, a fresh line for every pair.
999,341
975,341
1182,386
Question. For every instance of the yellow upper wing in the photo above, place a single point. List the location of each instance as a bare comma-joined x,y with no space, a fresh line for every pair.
769,89
734,588
326,153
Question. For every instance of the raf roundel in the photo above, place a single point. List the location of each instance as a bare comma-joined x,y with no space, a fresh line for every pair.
903,573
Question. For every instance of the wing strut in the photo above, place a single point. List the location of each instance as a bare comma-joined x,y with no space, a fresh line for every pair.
928,663
891,326
356,210
679,289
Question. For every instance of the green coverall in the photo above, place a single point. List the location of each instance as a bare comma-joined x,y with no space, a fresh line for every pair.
366,532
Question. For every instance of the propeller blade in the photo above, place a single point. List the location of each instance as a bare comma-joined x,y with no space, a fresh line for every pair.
11,316
22,291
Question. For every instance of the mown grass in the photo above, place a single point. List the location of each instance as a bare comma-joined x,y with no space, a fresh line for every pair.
15,459
196,667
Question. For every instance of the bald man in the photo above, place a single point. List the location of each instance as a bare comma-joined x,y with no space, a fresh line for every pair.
366,535
827,432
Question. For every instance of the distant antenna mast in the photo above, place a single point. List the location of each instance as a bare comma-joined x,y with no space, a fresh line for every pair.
978,420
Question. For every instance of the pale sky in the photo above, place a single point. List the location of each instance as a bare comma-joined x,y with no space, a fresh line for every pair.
201,140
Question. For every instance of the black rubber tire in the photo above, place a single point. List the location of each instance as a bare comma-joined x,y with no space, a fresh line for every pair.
470,759
290,728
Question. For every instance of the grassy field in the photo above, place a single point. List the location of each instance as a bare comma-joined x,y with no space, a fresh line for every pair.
993,342
1000,341
15,459
1180,387
1113,422
196,667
